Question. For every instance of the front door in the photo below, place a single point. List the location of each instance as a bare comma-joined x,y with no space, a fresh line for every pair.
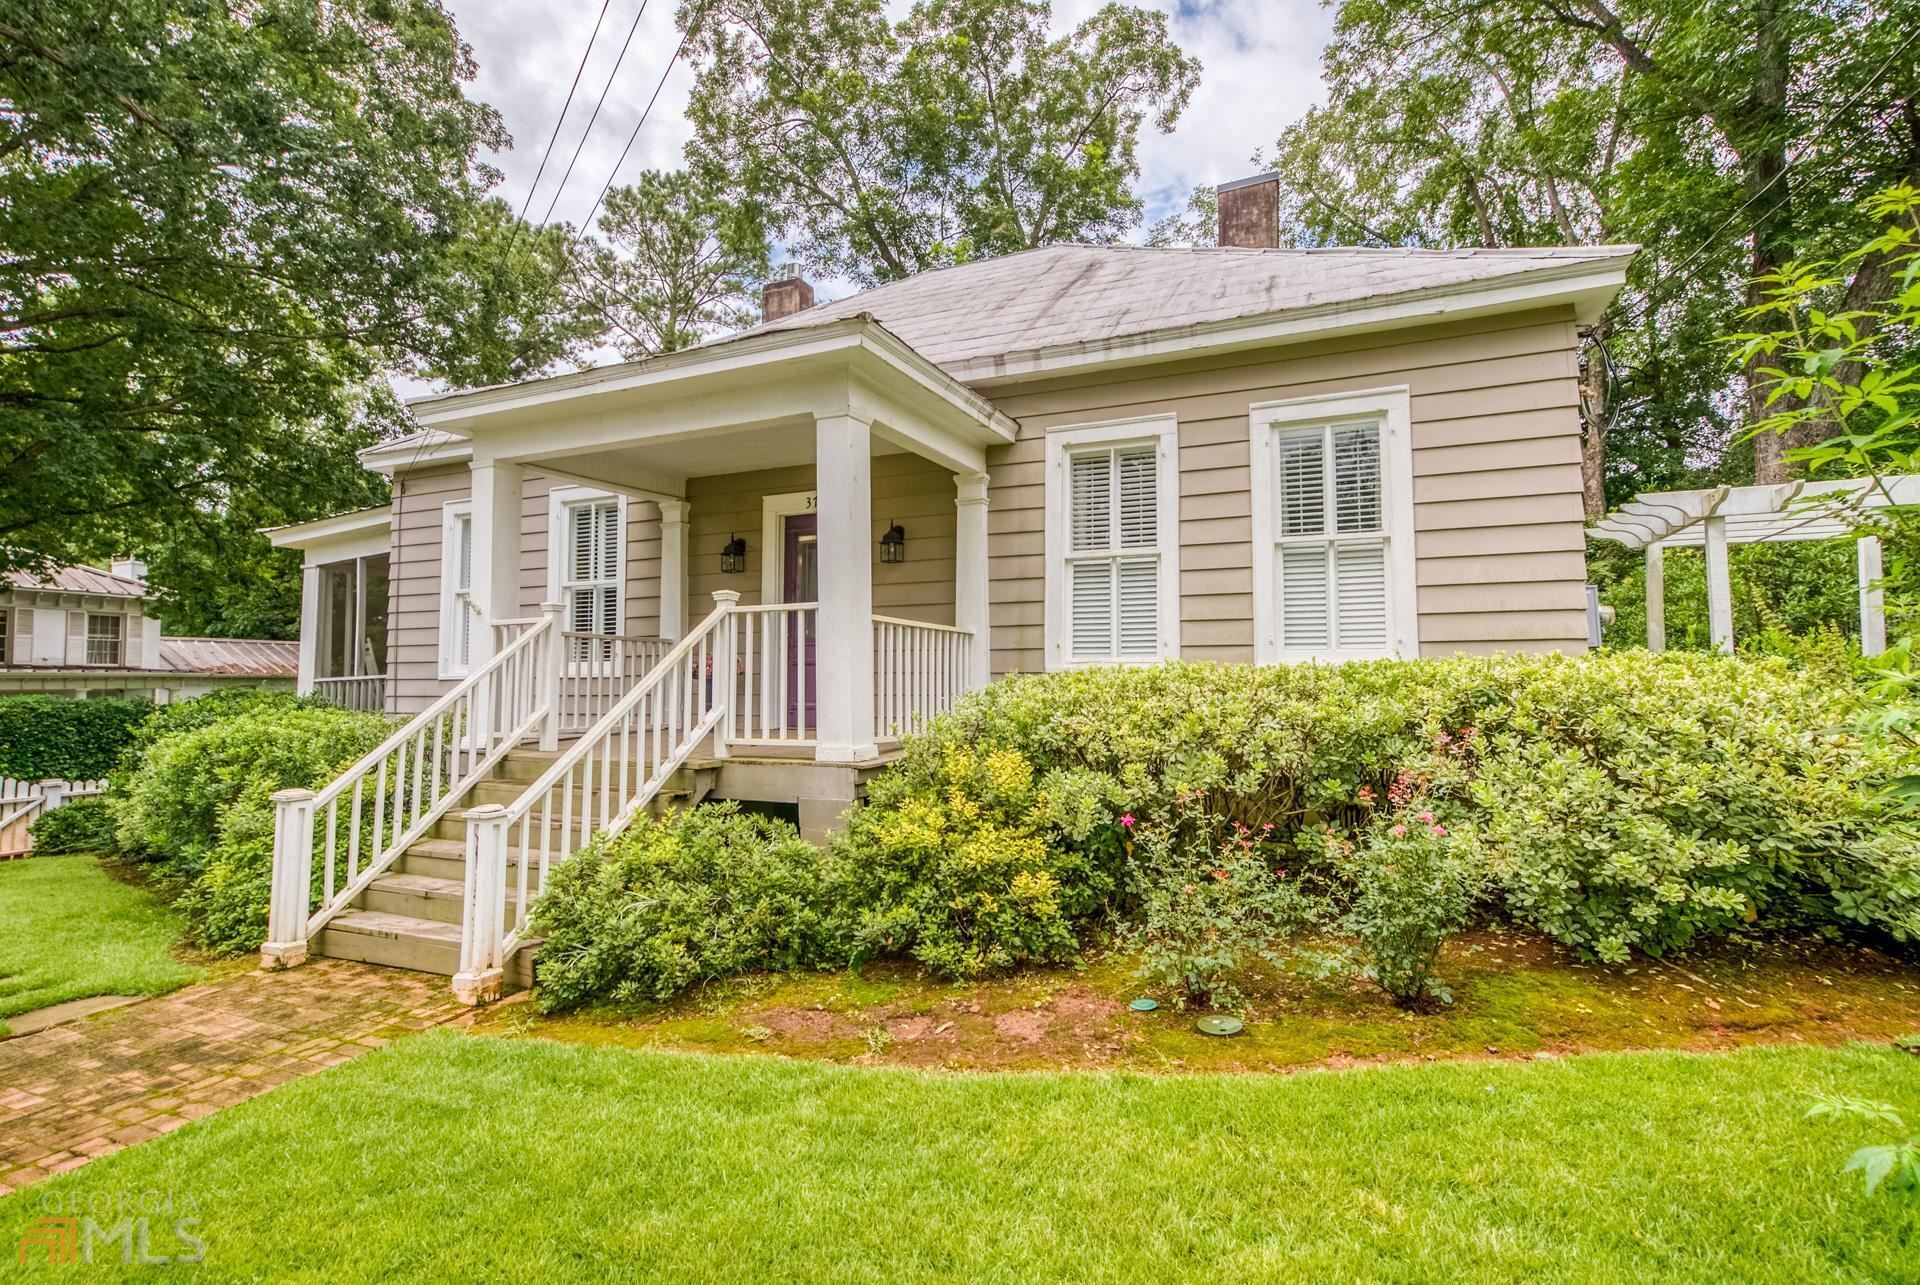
800,582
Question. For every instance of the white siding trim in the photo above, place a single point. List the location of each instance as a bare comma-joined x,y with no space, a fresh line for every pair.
1393,408
1162,432
774,509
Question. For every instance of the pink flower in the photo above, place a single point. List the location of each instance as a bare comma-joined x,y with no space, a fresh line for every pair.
1364,794
1221,875
1398,832
1424,818
1126,819
1440,831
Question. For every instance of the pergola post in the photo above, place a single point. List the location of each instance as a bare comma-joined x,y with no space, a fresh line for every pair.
1873,600
1656,597
1719,585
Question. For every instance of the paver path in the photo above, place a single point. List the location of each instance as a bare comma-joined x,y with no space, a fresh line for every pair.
74,1092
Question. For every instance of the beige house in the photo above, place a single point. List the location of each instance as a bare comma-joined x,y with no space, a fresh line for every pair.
82,631
1079,455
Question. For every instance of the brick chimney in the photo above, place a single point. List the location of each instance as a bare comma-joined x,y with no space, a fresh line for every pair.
1250,212
784,296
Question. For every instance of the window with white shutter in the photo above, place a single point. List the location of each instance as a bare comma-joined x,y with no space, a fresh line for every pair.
457,611
1334,578
1113,565
590,572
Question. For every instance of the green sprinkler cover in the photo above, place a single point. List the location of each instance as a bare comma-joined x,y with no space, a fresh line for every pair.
1219,1024
1144,1005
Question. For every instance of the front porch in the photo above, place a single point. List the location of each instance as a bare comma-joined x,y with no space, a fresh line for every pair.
834,500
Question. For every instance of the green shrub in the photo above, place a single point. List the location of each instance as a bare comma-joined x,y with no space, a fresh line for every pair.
49,737
1210,904
163,721
1414,881
199,801
698,895
84,825
1622,801
971,865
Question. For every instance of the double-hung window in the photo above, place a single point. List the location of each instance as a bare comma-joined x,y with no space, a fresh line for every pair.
1333,575
1112,529
591,530
104,636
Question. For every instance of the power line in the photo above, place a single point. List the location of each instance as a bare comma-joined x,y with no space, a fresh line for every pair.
560,120
1680,276
647,111
588,132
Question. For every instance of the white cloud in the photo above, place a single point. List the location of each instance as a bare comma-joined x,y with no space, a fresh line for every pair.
1261,70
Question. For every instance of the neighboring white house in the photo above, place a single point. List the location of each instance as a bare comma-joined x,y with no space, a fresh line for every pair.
1077,455
80,631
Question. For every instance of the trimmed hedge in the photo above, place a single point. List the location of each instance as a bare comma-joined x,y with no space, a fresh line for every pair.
84,825
199,801
49,737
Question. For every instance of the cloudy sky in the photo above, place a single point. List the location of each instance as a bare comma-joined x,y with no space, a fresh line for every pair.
1261,69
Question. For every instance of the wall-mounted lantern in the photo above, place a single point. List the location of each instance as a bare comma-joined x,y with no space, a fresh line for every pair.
733,556
893,545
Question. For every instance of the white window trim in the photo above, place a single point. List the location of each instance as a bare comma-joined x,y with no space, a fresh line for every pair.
1393,408
559,541
774,511
1162,432
450,514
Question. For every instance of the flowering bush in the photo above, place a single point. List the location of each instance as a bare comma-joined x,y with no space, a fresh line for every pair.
1211,902
967,862
1413,882
1621,801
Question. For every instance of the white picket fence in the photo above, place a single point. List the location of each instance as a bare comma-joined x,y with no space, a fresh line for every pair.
23,802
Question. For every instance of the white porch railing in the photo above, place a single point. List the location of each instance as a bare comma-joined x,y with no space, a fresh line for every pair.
24,802
364,693
599,669
919,670
365,818
774,692
596,787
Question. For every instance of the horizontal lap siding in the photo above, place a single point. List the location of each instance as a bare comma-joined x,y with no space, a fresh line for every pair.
413,603
909,490
1498,518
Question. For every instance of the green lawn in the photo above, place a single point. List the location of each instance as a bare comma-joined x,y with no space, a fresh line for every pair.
459,1157
69,930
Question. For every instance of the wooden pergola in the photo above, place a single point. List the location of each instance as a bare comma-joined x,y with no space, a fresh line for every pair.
1720,516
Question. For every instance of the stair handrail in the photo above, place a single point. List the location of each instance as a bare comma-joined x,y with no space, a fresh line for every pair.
636,746
418,773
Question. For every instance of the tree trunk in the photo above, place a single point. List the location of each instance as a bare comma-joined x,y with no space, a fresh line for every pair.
1762,144
1596,414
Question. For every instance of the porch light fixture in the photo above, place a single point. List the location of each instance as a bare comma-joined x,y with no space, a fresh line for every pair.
733,556
893,545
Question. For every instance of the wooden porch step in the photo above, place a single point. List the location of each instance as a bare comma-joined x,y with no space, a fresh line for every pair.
421,896
403,941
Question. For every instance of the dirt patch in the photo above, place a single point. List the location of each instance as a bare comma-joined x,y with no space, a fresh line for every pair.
1517,995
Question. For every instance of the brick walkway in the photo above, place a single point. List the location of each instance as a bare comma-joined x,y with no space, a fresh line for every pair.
75,1092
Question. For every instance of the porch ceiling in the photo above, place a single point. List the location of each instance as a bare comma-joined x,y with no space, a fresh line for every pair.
727,407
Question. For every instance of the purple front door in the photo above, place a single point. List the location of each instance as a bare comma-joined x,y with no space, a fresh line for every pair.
800,582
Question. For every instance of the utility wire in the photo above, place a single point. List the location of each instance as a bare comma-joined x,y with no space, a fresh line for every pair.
639,13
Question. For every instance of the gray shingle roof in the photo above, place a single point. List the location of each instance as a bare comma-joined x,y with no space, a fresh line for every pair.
1067,294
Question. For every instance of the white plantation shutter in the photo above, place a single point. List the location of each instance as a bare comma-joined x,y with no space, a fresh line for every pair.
1331,559
592,580
1114,554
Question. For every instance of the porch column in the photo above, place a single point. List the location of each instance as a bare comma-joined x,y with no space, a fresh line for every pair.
309,628
970,609
1719,585
497,489
1656,598
1873,600
673,569
843,666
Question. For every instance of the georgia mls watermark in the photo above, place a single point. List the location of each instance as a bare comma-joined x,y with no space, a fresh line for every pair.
139,1228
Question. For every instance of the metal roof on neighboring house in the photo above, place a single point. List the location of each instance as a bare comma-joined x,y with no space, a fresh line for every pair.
255,657
77,580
